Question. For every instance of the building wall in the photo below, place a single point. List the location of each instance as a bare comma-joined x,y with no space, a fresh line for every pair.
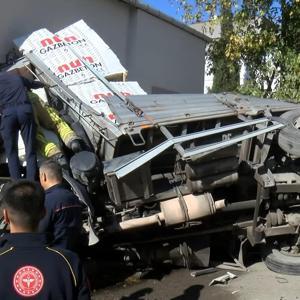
157,54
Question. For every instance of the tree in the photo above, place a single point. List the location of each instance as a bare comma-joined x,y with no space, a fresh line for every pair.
265,35
226,72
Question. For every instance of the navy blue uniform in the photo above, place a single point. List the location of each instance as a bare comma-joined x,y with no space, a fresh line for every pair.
29,269
17,115
63,219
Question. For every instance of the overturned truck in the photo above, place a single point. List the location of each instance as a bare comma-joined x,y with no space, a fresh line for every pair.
172,170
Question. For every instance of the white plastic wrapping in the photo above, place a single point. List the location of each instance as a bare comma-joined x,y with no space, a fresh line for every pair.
55,50
96,94
65,52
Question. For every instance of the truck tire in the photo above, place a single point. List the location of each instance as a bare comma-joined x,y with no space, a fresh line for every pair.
283,263
289,136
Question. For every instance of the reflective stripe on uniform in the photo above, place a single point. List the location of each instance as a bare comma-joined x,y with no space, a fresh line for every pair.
46,147
6,251
68,263
65,132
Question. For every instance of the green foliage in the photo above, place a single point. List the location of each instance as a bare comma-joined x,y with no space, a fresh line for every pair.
251,88
289,84
226,72
264,34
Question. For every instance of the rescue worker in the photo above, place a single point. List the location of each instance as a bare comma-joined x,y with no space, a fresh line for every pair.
17,115
48,118
30,269
63,219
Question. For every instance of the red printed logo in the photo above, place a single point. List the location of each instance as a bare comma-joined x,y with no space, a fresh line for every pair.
56,39
112,117
28,281
74,64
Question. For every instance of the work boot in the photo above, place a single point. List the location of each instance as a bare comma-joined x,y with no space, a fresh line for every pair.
76,146
61,160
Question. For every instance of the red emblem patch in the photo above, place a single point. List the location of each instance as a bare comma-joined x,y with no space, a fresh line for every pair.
28,281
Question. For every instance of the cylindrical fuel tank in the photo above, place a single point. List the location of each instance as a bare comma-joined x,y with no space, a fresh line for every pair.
212,182
197,171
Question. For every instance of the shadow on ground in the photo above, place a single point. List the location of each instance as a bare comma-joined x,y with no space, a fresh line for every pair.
138,295
192,293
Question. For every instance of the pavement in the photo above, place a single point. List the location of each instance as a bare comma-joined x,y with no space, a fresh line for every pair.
258,283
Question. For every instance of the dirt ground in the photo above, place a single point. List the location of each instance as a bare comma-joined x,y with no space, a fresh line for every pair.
258,283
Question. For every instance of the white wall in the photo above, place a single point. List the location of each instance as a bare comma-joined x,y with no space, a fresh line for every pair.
156,53
208,78
167,57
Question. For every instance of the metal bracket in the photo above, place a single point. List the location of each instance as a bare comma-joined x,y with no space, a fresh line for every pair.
183,207
150,154
230,142
168,135
137,138
264,177
265,180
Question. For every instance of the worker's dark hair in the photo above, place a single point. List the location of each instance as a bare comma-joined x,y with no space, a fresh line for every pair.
24,200
52,169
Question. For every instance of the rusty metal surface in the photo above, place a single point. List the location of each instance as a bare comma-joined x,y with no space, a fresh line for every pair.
178,108
253,105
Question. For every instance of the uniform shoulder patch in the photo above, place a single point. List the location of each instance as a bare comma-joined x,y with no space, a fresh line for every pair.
28,281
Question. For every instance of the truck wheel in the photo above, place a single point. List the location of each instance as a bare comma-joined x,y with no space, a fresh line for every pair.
283,262
289,137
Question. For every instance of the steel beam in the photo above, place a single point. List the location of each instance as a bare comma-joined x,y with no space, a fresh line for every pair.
130,166
232,141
